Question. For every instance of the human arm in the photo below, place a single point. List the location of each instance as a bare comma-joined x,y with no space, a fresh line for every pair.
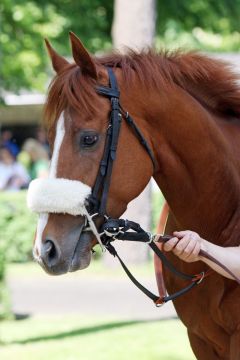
187,245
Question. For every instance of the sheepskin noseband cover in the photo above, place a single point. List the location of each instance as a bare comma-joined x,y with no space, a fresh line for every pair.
58,196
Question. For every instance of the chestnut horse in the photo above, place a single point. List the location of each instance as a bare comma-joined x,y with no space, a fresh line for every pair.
187,107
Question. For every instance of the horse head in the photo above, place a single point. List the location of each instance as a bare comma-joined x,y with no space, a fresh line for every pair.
77,118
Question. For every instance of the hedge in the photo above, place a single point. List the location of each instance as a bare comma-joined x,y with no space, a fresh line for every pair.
17,227
4,300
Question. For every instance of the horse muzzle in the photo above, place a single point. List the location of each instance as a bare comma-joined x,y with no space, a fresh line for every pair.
64,254
62,243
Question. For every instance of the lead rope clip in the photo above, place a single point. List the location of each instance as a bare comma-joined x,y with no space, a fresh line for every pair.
151,237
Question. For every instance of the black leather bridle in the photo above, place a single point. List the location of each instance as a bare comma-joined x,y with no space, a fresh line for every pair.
120,229
98,198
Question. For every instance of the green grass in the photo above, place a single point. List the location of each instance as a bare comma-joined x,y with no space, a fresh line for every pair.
74,338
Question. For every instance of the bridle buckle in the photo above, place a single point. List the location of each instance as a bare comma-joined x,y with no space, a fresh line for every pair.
113,232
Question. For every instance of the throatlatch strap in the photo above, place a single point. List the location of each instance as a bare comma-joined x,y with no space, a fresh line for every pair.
141,138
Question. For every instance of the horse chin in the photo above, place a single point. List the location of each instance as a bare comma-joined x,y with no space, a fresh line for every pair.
82,254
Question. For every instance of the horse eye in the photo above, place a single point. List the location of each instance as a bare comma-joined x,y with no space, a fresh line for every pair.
89,140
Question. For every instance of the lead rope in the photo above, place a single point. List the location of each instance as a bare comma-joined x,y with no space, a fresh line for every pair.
119,229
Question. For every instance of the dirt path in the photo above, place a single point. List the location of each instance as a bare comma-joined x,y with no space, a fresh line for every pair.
88,296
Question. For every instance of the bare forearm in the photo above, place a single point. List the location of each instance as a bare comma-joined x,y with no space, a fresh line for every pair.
188,244
229,256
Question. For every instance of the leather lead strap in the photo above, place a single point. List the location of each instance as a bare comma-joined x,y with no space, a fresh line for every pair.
147,292
119,229
157,299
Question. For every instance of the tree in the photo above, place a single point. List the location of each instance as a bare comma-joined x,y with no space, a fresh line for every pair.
24,24
134,28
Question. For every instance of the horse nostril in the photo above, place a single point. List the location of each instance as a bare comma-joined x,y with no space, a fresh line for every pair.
50,253
50,249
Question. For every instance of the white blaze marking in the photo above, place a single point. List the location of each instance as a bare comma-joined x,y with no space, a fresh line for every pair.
43,218
60,132
42,222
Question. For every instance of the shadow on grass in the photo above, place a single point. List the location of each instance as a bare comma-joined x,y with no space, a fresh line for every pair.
79,332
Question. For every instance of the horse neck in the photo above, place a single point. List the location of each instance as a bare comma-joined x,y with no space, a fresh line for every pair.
197,174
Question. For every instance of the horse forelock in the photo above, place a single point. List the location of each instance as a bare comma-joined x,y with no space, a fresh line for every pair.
70,88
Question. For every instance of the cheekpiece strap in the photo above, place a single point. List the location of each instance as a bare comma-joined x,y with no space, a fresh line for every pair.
111,91
102,184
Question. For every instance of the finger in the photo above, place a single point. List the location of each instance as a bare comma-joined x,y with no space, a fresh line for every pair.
170,244
181,233
181,245
190,250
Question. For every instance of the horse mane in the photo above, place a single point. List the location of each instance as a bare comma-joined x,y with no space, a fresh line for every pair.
213,82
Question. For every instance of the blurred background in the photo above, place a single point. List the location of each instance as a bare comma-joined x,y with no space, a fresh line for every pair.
96,313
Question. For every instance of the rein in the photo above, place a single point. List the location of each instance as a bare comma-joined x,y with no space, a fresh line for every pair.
119,229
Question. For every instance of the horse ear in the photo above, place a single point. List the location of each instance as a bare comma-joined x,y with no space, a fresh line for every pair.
82,57
58,62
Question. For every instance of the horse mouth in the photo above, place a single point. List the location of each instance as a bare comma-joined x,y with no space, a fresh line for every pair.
81,257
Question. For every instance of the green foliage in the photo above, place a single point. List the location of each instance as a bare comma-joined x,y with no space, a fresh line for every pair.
4,308
2,260
24,25
17,227
202,24
213,16
199,24
198,39
4,303
91,20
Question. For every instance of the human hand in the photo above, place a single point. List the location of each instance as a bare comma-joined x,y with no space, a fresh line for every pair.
185,244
